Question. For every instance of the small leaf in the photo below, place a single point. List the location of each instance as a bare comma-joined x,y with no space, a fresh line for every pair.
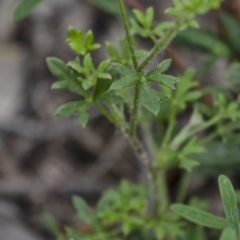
150,98
72,86
58,68
126,72
84,213
50,222
192,96
72,108
188,164
229,203
88,41
113,52
123,83
165,80
24,8
83,119
75,64
75,40
103,65
102,86
162,67
227,234
111,98
199,217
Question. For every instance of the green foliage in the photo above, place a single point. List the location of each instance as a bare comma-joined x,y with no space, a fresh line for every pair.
24,8
122,83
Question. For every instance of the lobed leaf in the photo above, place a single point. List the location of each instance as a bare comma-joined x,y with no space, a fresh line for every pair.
150,98
199,217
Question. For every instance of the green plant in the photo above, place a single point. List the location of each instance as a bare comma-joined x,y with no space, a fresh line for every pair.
123,82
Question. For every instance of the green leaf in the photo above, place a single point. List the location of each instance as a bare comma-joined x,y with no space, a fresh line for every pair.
229,204
162,67
58,68
199,217
106,5
165,80
123,83
113,52
75,64
150,98
51,224
103,65
75,40
198,38
84,213
88,42
227,234
188,164
232,28
24,8
72,108
73,87
192,96
111,98
233,74
149,16
126,72
102,86
83,119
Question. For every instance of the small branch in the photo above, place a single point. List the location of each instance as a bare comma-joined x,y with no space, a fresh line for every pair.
160,46
128,34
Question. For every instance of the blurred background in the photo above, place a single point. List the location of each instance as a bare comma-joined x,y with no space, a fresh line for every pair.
45,159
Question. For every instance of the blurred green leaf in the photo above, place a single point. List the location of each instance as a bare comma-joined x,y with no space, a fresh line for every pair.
72,108
83,118
106,5
24,8
232,28
229,204
50,222
203,40
227,234
199,217
233,74
84,213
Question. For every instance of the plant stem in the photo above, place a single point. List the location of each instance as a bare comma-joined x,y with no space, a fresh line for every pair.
134,115
105,113
160,45
184,135
162,191
170,127
182,188
128,34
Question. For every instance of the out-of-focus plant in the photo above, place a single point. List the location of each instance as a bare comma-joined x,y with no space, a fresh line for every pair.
123,83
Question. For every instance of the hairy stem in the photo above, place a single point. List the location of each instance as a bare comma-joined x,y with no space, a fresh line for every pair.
134,115
129,36
160,45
